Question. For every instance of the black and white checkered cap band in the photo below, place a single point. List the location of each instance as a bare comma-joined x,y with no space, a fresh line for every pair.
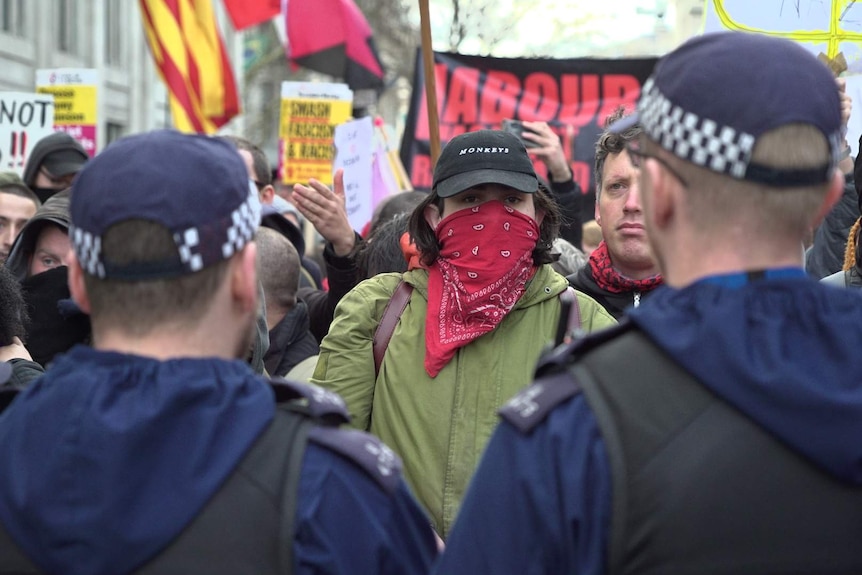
198,247
706,143
690,137
88,250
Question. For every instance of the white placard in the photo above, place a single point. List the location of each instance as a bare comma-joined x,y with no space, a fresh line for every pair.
24,120
320,90
354,146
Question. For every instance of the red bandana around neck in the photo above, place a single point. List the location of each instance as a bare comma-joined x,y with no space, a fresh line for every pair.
484,265
609,279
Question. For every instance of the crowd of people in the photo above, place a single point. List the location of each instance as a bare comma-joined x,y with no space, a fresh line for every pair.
480,381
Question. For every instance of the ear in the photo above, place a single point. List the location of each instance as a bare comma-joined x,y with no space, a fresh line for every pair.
243,278
267,194
597,215
77,288
432,216
660,204
833,194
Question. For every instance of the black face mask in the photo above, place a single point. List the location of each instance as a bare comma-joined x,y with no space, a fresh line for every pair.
55,323
44,193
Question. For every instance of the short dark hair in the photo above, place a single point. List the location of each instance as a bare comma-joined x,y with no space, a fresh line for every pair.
21,192
278,268
381,251
259,161
426,240
388,208
609,143
138,307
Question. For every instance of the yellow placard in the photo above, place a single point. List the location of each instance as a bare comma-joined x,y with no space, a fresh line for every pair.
307,130
73,105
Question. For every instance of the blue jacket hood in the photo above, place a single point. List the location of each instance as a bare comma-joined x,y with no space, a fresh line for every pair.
785,351
108,457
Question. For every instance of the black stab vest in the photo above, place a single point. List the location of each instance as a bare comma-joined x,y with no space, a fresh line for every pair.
698,487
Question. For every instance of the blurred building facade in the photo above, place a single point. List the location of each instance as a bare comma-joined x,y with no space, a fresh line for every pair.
674,22
106,35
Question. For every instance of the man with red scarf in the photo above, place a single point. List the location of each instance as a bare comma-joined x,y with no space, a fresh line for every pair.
484,304
622,269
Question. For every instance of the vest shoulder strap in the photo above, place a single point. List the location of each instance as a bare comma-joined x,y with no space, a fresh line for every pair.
553,383
370,454
622,376
322,405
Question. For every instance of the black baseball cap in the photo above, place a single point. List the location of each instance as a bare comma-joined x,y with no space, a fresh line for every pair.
68,155
484,157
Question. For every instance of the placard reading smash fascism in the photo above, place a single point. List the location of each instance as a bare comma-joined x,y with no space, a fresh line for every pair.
309,114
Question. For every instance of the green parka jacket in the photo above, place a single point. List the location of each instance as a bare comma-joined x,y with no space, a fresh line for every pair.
438,426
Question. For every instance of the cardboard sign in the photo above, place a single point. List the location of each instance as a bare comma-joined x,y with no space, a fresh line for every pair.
24,120
830,27
354,147
309,114
75,92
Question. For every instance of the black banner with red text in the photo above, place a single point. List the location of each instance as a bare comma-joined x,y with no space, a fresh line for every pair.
573,96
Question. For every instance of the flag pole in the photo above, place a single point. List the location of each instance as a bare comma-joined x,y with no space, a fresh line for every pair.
430,81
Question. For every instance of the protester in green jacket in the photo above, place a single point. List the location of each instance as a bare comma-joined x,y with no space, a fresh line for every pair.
484,305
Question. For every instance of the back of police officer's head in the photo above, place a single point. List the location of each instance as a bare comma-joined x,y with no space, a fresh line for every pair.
746,131
162,228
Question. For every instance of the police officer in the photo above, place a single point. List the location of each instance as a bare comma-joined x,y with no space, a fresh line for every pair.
717,430
157,450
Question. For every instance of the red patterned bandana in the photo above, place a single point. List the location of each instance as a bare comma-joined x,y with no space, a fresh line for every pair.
609,279
484,265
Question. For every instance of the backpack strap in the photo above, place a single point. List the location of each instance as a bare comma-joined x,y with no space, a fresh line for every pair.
386,326
289,496
366,451
312,409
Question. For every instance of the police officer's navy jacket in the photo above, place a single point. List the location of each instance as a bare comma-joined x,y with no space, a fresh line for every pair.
746,459
116,464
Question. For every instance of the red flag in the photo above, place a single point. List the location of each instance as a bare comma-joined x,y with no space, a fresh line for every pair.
192,61
245,13
345,50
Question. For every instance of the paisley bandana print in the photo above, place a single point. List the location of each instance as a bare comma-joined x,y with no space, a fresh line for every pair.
609,279
484,265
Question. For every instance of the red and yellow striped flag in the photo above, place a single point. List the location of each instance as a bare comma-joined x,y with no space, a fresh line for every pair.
191,59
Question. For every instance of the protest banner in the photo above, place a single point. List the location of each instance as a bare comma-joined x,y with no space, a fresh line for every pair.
75,93
309,114
574,96
354,144
24,120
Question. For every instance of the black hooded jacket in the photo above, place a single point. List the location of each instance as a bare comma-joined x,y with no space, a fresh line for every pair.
614,303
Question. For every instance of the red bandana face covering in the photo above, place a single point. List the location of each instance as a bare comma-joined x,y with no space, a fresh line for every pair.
484,264
609,279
